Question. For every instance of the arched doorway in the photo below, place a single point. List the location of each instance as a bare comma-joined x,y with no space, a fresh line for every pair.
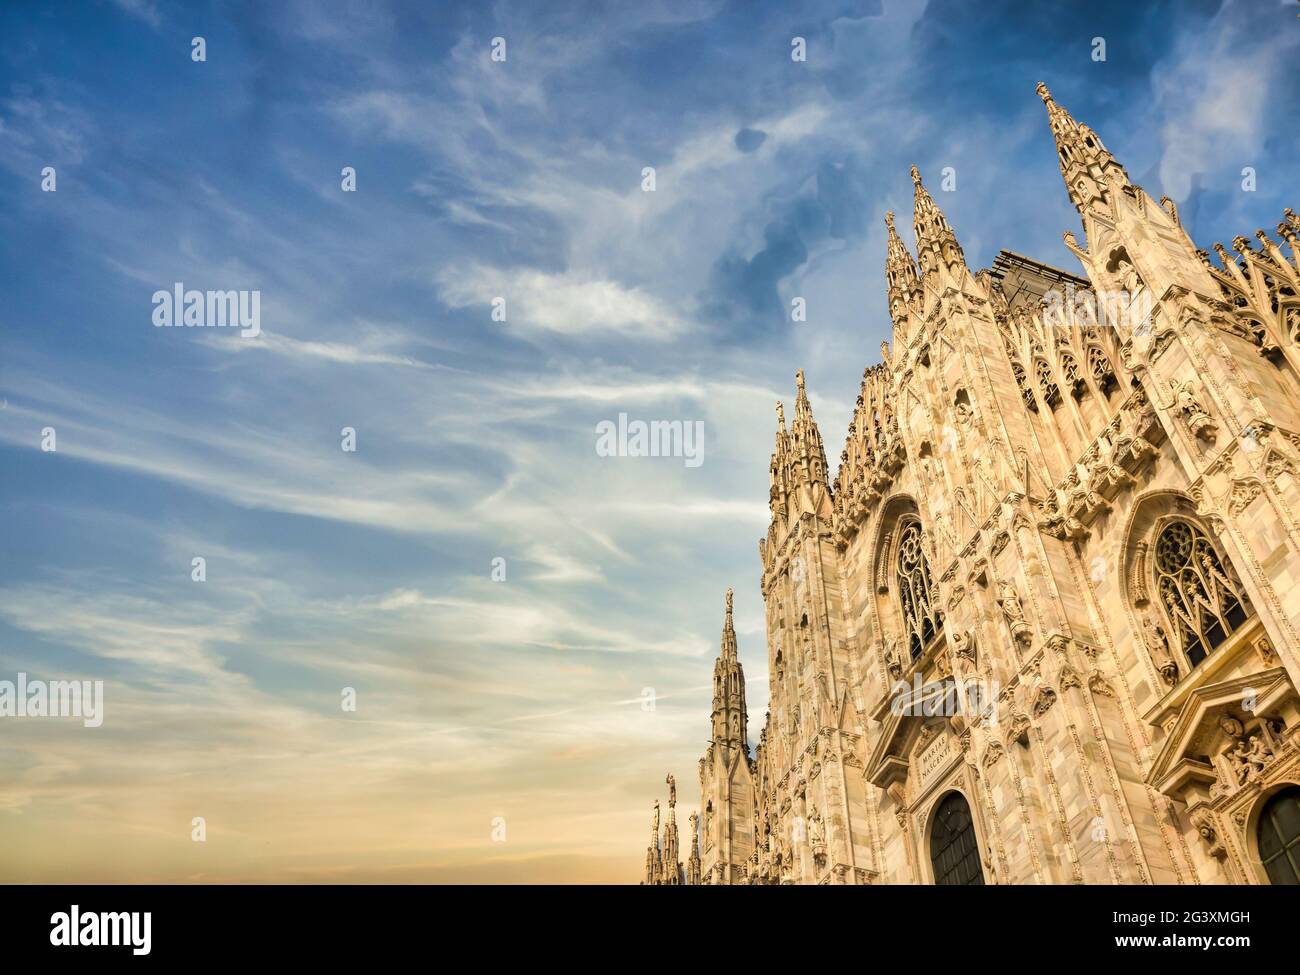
953,851
1278,834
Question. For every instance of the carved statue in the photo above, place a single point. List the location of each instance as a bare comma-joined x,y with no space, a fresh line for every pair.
1240,755
672,782
1107,466
893,662
1129,279
1187,404
1158,646
963,646
817,837
1258,755
1009,600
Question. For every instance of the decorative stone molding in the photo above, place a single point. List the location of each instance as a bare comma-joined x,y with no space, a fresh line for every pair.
1068,678
1138,573
1043,701
1110,464
1098,684
1203,821
1018,730
992,753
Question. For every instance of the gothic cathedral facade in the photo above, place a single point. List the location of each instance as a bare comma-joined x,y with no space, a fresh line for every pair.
1044,625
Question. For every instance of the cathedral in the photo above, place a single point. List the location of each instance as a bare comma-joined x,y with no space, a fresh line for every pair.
1043,627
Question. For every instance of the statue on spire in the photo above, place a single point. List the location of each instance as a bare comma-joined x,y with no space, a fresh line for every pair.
936,244
1090,172
672,787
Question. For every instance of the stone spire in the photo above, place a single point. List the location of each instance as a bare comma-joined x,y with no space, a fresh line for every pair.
1087,166
672,863
693,876
900,273
936,244
806,439
730,717
653,861
778,494
798,468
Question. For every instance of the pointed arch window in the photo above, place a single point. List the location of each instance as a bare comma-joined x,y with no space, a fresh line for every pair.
954,852
1202,598
1278,835
1046,383
1026,393
916,590
1073,378
1101,369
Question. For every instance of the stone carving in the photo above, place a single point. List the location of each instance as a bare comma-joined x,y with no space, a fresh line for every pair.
1158,647
1126,274
1098,685
893,660
1249,756
1264,647
1012,612
1203,821
992,754
963,647
1187,404
1043,701
1018,730
817,838
1137,583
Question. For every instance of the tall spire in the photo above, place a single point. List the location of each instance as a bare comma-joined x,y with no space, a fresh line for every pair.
730,717
671,874
1087,166
798,468
779,491
729,631
936,244
809,451
900,272
693,863
653,861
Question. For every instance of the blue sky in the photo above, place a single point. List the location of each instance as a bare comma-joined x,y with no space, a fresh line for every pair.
475,439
